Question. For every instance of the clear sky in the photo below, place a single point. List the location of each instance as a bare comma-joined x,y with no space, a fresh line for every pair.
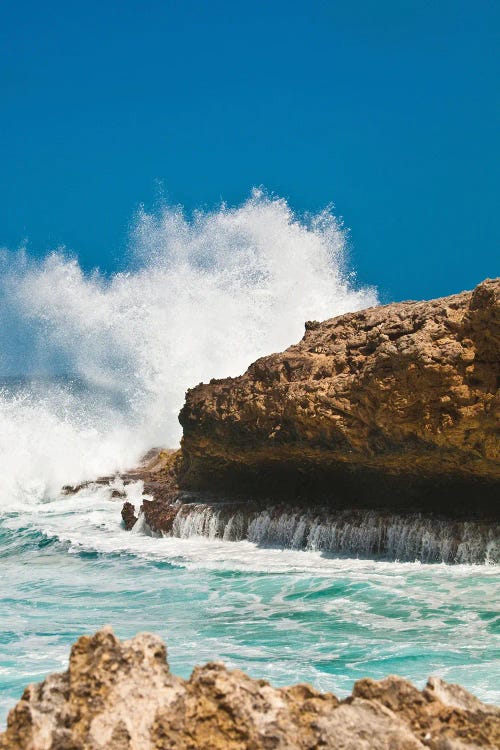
387,108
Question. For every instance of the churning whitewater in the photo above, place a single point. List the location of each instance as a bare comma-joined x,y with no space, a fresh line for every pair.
95,369
351,533
202,299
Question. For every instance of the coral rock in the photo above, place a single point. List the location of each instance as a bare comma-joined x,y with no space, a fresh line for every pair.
394,404
121,696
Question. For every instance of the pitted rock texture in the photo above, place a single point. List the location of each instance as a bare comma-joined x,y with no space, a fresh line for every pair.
406,394
122,696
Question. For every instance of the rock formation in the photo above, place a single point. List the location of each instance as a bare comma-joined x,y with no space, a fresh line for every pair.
121,696
397,404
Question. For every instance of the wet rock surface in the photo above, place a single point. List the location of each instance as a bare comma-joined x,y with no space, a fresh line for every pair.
353,533
122,696
128,516
395,405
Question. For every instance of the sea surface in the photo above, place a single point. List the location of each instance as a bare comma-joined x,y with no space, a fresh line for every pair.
199,298
67,568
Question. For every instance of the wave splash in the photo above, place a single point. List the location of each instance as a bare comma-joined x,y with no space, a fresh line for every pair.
405,538
202,298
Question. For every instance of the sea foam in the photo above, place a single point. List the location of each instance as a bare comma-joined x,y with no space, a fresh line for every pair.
202,297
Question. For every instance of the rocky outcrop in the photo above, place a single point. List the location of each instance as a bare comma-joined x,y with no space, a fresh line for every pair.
397,404
121,696
166,510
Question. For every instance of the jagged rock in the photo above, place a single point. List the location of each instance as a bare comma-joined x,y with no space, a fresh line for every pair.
397,404
468,722
121,696
128,515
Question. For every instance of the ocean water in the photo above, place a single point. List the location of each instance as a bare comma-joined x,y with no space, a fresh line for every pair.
198,299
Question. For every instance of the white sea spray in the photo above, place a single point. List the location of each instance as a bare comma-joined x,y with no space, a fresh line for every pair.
202,298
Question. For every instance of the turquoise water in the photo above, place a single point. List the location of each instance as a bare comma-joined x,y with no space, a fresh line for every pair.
68,568
202,299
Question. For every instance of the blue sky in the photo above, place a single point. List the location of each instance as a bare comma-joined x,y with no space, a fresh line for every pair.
388,109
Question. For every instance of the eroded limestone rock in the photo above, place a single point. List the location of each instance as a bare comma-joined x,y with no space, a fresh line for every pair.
121,696
395,404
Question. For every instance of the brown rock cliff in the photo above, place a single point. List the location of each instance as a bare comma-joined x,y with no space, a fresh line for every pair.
397,404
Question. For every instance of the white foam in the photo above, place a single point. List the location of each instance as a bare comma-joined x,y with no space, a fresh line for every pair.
203,299
89,520
347,532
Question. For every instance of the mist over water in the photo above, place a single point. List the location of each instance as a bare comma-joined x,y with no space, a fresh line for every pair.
204,298
93,371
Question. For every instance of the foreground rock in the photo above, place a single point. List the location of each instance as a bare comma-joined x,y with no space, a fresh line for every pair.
394,405
122,696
